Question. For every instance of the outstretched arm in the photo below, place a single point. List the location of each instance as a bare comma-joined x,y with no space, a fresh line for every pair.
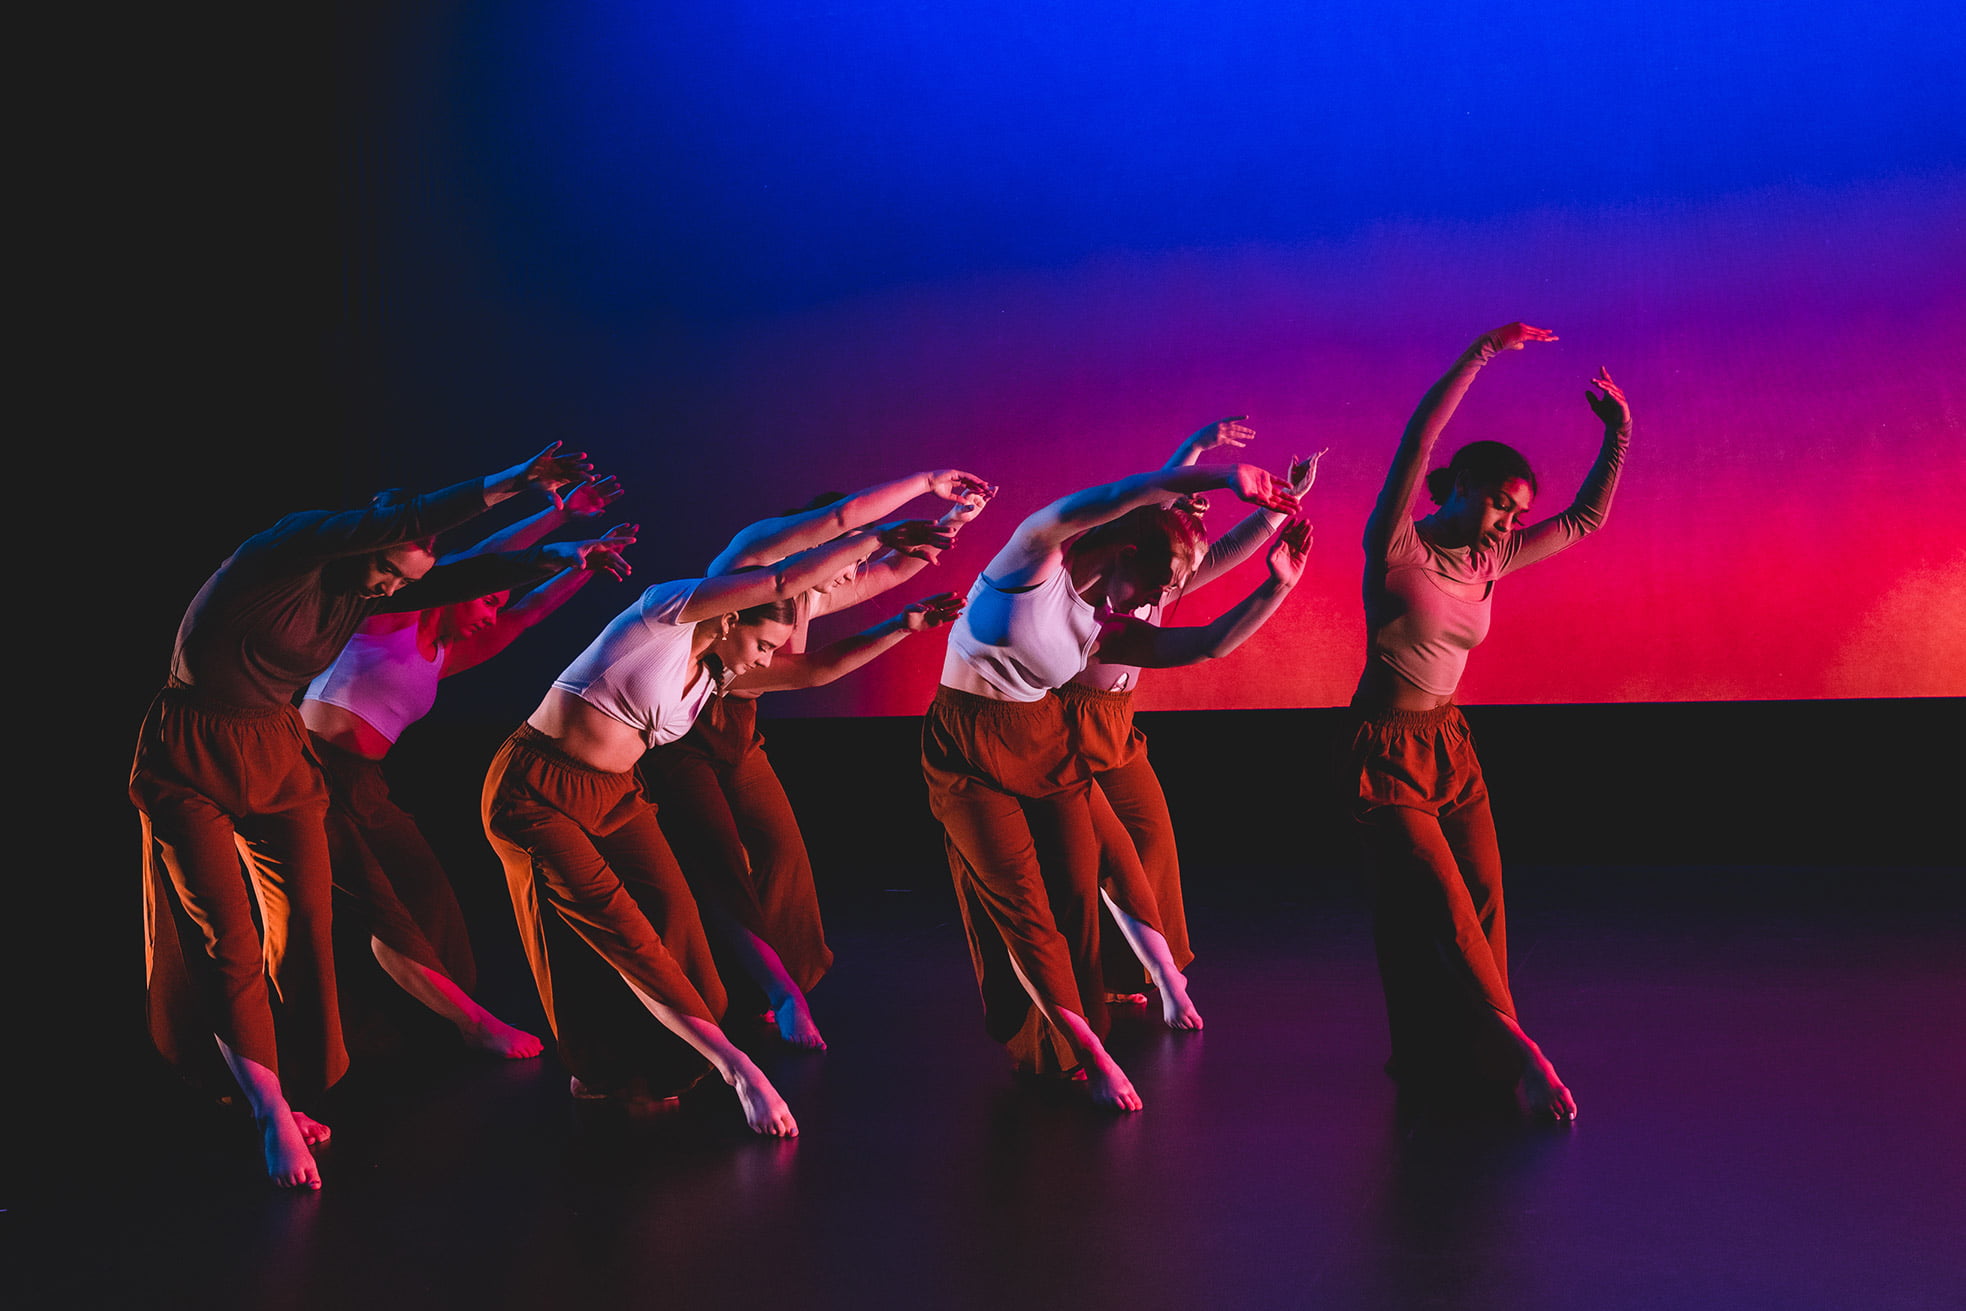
1233,431
773,539
1036,548
1588,512
785,579
589,499
890,568
484,574
1128,641
541,601
837,659
1416,444
1241,541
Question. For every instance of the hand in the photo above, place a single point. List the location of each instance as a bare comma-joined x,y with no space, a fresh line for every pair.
591,497
932,612
600,555
955,485
1232,431
914,537
1260,487
549,471
1291,551
968,507
1303,473
1511,337
1608,401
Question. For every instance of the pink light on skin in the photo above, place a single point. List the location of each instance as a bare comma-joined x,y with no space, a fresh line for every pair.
1788,522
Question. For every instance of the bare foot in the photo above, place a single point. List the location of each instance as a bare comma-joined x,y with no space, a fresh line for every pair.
1544,1094
1126,999
312,1131
794,1021
764,1110
288,1162
1109,1086
494,1035
1175,1008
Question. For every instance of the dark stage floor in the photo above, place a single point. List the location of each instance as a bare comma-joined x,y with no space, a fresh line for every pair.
1770,1117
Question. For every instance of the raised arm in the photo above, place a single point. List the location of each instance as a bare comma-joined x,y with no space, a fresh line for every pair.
1233,431
836,659
1241,541
1129,641
1416,444
890,568
1587,513
589,499
786,578
1037,547
541,601
481,575
769,540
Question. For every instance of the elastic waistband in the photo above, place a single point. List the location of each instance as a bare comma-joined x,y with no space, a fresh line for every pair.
183,696
1093,695
1410,719
533,742
991,710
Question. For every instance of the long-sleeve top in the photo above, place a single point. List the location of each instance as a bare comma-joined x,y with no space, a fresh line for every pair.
281,607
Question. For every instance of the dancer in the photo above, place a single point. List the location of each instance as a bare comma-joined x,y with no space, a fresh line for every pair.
222,769
387,879
1438,921
610,928
723,809
1098,708
1012,796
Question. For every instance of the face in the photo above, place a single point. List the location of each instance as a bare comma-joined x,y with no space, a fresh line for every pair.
1501,511
750,646
469,618
389,572
1132,582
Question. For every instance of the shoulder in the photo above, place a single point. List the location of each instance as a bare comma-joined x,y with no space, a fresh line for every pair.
664,602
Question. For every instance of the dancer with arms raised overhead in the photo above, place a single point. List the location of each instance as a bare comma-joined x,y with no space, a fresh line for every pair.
1412,776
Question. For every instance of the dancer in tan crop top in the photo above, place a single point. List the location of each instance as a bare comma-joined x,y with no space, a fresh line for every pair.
1438,920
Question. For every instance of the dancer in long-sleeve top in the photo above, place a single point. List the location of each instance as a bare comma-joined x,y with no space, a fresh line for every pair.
1415,783
223,769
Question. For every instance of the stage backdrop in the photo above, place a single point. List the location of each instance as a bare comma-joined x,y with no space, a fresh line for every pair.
745,251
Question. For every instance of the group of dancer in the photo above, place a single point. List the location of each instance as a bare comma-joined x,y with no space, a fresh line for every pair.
658,879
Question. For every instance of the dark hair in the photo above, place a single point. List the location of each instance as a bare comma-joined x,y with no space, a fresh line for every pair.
1156,532
1481,466
783,612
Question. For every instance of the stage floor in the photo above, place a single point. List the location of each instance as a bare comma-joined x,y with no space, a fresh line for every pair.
1769,1117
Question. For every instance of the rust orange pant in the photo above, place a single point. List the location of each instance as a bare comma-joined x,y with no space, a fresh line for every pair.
1015,811
600,899
732,827
1438,920
1139,866
236,893
388,882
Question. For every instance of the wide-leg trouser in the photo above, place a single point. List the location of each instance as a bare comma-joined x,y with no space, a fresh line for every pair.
1140,852
1439,924
1013,802
387,880
733,830
601,904
236,893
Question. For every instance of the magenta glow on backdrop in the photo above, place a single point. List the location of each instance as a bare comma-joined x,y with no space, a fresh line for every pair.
751,250
1789,525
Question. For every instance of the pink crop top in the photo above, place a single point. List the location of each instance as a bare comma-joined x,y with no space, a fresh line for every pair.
382,679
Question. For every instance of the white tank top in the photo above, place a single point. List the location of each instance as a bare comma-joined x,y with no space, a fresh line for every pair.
1025,643
639,671
383,679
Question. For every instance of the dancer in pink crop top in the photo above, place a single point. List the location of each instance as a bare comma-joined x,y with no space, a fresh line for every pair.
1438,921
386,875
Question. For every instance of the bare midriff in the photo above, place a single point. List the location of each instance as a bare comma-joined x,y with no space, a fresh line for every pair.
584,734
344,729
1381,688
